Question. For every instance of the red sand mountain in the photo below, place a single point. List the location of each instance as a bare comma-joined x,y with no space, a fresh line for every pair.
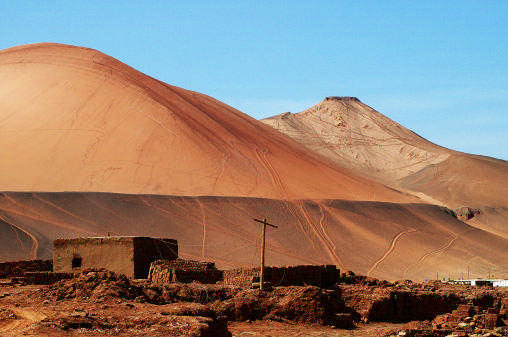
358,137
74,119
74,122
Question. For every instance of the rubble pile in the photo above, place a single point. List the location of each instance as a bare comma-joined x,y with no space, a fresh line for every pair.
172,322
187,292
404,301
93,285
100,301
467,320
297,304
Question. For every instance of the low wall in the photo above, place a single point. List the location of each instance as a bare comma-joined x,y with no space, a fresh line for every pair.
184,264
183,271
42,277
241,277
163,271
319,276
18,268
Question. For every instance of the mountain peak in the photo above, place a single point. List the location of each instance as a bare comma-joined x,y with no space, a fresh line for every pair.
342,98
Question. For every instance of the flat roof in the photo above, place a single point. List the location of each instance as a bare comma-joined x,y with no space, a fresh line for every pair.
63,241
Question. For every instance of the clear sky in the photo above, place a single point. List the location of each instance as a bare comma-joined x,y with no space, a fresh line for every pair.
439,68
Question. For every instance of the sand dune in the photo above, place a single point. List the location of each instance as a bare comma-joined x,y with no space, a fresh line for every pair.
387,240
175,163
74,119
358,137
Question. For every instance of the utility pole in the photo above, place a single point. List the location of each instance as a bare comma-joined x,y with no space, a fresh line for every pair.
468,273
262,270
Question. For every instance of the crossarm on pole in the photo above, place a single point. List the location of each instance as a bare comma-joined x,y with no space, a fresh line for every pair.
265,222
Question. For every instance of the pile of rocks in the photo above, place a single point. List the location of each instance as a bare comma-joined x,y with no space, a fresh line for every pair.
466,320
93,285
296,304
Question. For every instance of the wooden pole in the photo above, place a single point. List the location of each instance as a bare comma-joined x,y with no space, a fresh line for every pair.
263,244
262,270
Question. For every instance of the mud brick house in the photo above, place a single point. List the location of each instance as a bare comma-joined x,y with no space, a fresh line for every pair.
129,255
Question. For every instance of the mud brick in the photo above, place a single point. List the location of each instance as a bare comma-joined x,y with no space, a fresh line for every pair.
184,271
320,276
42,277
490,320
465,309
454,319
344,321
18,268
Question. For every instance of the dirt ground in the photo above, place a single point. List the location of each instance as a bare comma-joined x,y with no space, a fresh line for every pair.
100,303
276,329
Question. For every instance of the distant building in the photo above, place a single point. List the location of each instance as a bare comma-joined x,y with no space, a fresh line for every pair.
482,282
129,255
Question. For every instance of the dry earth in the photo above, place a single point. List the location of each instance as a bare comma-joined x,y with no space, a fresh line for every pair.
101,303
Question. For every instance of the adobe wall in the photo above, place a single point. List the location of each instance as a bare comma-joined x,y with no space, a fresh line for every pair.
112,253
241,277
18,268
147,250
42,277
187,271
320,276
184,271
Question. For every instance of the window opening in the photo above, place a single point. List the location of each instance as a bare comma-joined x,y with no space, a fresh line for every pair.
76,262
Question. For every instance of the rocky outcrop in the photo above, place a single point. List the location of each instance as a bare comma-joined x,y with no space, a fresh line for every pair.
465,213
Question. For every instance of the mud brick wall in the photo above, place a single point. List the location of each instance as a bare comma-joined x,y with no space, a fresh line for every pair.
490,320
241,277
18,268
183,264
210,276
504,308
320,276
184,271
42,277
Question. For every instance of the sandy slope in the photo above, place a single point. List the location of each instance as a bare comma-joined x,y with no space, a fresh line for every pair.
380,239
358,137
74,119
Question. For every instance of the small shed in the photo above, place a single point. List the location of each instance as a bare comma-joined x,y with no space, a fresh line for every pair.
129,255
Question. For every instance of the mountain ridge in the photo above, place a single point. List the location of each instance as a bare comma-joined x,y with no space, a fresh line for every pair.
360,138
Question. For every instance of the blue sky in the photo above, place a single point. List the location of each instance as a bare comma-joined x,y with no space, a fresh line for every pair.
439,68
